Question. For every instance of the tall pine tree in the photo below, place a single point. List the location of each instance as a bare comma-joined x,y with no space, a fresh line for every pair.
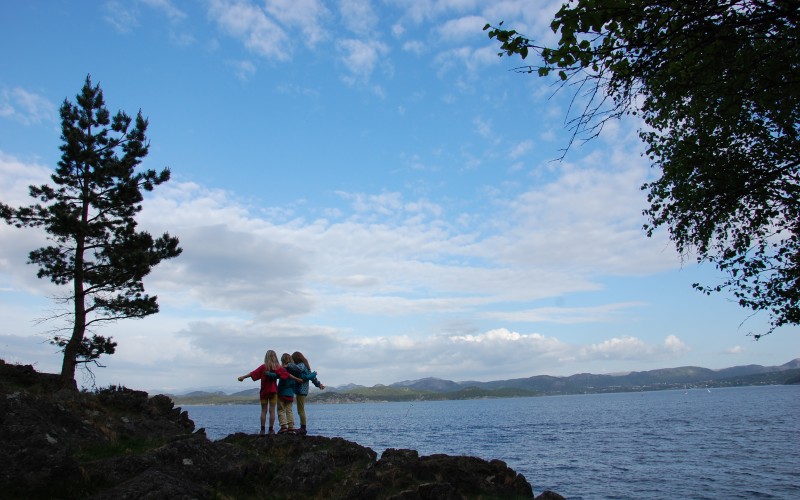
89,216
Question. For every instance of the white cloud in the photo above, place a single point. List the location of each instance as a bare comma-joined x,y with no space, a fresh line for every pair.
26,107
167,7
415,46
182,39
484,129
244,69
632,348
418,11
398,232
587,217
272,31
307,15
617,348
15,177
470,59
123,16
464,28
385,203
520,149
360,58
250,24
245,281
675,345
399,248
358,16
564,315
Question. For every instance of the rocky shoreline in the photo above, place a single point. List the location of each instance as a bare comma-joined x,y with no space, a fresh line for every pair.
118,443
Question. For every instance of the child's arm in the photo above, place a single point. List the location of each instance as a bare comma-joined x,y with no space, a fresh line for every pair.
255,374
292,369
304,374
316,381
282,372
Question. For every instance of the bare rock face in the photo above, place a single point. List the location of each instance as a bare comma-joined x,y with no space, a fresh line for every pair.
117,443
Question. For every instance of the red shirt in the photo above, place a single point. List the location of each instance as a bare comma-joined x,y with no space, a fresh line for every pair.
269,385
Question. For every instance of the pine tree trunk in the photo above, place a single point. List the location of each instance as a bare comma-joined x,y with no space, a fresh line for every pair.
70,355
78,330
79,295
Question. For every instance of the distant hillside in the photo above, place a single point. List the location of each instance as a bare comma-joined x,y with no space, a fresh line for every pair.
665,378
389,393
430,384
217,398
434,389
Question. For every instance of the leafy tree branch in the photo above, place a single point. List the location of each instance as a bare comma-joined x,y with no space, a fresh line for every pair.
717,84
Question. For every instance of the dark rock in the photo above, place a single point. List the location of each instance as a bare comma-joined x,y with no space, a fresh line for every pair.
549,495
118,443
449,476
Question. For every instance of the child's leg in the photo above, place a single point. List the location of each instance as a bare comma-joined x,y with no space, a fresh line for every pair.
273,402
263,414
282,420
290,414
301,410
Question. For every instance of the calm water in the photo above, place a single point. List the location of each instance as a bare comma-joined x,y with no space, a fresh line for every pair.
726,443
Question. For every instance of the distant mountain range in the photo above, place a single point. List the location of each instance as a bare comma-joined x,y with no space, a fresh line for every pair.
540,385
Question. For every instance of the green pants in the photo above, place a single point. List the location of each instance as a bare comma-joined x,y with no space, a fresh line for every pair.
301,408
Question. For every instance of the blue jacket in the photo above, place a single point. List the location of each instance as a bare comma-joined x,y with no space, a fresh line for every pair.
299,370
285,386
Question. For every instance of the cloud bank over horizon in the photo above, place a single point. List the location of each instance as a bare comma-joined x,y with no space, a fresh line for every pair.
365,182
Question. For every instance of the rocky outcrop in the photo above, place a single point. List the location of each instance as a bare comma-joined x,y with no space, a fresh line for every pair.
117,443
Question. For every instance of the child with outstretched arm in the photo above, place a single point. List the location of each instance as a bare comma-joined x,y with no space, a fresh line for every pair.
302,368
268,373
286,389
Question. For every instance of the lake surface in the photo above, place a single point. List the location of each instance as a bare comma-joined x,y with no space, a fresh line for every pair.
739,442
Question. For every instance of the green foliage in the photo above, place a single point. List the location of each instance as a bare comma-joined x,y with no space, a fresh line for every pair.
717,84
88,214
90,349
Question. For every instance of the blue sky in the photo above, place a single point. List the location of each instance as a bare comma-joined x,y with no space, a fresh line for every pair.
363,181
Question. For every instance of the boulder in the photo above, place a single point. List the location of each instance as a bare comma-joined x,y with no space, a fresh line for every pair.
117,443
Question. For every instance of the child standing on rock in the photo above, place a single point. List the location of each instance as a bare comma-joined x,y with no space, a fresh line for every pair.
268,373
286,388
302,368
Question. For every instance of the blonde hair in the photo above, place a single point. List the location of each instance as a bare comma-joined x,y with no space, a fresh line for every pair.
286,358
271,360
